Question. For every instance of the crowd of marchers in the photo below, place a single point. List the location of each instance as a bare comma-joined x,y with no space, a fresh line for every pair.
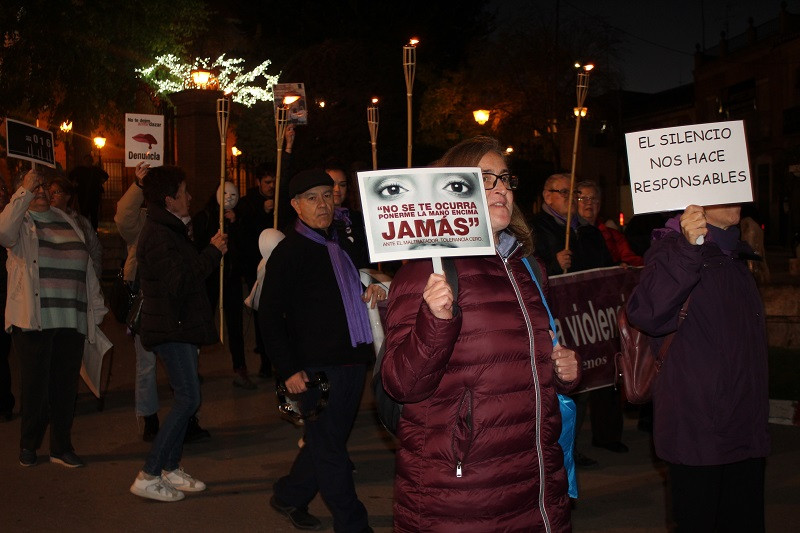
470,354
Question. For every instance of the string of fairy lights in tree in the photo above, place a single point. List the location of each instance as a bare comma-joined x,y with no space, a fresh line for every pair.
170,74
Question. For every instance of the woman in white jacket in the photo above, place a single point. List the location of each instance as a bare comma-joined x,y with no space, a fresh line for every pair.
53,304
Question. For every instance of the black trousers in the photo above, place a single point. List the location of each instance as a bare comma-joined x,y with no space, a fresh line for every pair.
50,364
725,498
266,365
232,304
323,464
7,399
605,415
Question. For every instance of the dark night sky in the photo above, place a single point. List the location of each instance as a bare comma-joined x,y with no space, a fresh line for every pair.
659,36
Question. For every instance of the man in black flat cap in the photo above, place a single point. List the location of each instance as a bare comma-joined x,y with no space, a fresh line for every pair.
313,318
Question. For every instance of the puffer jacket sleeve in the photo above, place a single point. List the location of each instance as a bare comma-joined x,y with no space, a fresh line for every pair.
178,272
418,344
672,270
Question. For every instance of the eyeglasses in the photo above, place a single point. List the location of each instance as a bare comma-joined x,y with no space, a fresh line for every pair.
509,182
588,199
56,193
562,192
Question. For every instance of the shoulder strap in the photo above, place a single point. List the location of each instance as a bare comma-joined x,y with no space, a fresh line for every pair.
662,352
536,275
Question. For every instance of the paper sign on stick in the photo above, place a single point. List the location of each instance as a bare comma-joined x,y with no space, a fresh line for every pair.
298,110
425,212
701,164
144,139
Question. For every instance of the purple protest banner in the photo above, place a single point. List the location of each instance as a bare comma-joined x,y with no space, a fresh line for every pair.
585,306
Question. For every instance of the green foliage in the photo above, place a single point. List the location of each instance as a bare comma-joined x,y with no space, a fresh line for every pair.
73,59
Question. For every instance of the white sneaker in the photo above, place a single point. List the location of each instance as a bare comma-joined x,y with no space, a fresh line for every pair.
183,481
156,489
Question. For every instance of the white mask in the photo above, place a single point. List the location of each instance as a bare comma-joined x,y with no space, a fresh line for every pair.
231,196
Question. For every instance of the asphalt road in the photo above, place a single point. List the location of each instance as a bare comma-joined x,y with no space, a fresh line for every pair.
251,446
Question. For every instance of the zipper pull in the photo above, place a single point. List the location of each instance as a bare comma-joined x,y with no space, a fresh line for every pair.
458,469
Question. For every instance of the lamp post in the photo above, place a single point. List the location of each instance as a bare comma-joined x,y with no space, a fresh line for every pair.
372,122
66,129
281,120
99,142
223,117
409,68
580,112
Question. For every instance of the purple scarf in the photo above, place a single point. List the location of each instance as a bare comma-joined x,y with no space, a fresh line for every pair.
349,284
562,219
726,239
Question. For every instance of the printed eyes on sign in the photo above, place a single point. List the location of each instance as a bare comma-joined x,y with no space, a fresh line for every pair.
389,189
459,187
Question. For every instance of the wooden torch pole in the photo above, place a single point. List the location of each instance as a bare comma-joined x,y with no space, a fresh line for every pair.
582,89
409,68
223,116
281,119
372,122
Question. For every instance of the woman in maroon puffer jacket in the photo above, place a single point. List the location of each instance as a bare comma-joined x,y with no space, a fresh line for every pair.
479,433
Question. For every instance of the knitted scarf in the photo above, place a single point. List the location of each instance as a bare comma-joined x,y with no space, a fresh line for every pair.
349,284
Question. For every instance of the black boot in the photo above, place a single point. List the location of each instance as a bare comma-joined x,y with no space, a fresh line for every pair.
150,427
194,432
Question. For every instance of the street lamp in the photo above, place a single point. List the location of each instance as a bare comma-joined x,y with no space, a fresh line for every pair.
481,116
582,87
99,142
372,122
409,68
202,79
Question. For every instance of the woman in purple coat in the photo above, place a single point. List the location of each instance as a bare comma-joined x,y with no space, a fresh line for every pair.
710,398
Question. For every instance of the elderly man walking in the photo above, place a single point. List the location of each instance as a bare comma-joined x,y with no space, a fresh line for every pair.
313,320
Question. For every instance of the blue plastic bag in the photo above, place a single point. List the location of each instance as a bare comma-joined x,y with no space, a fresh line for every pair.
565,403
567,441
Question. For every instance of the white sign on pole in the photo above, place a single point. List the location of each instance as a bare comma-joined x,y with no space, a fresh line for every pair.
425,212
144,139
701,164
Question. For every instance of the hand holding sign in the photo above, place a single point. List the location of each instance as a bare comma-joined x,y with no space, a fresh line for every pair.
693,224
439,296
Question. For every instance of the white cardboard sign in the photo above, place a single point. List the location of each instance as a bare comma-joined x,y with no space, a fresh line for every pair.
425,212
701,164
144,139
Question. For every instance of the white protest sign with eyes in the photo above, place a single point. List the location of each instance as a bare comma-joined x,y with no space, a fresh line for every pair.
701,164
413,213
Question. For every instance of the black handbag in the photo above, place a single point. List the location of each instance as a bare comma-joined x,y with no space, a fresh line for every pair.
134,318
120,297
